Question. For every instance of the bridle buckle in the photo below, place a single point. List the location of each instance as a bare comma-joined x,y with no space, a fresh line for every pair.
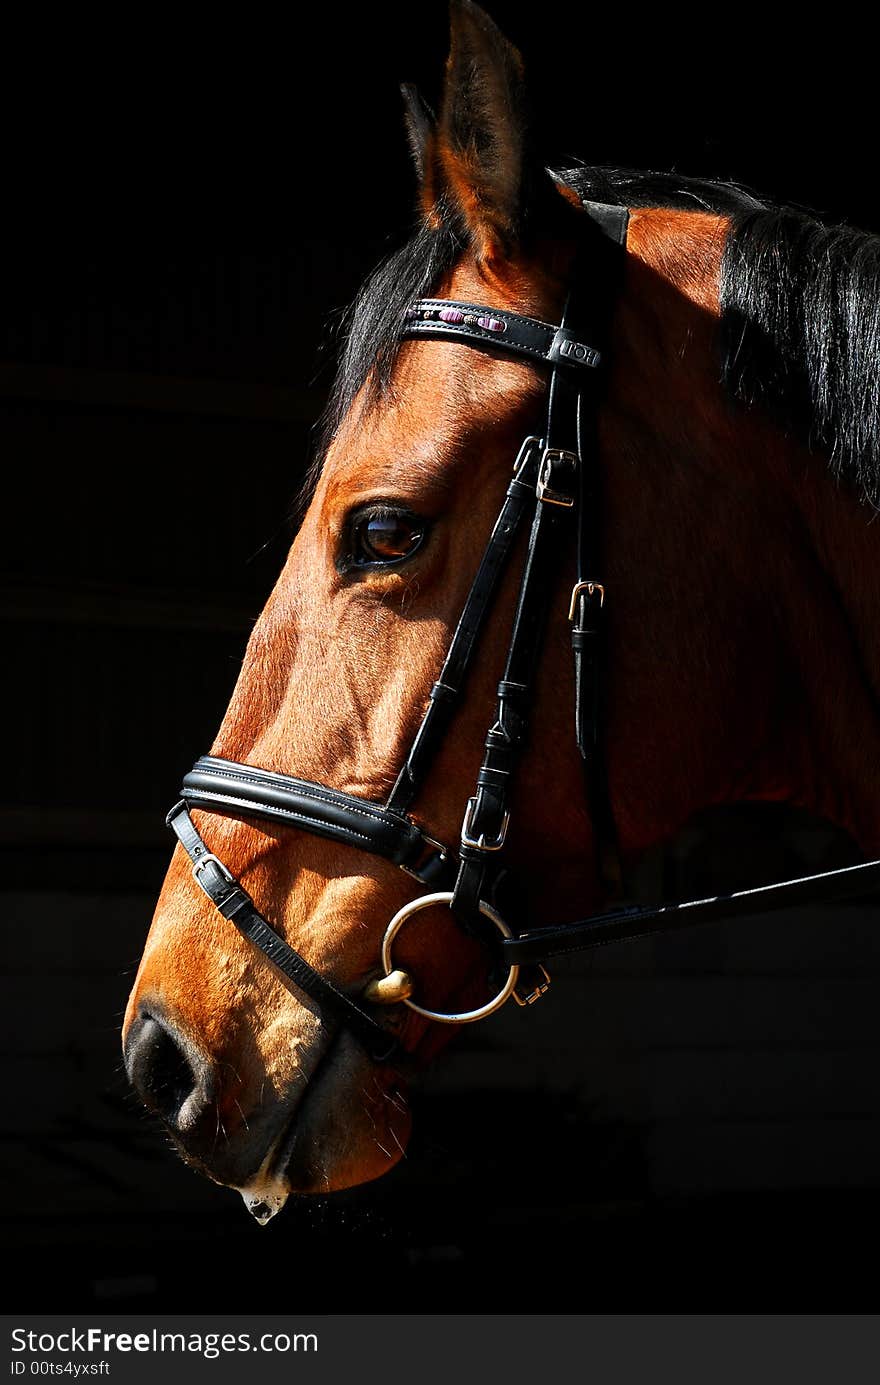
541,988
433,858
210,859
554,461
480,843
591,588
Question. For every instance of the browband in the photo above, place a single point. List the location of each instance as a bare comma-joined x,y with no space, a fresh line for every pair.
494,327
545,342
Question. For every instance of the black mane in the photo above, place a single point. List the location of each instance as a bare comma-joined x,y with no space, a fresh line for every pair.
800,317
800,313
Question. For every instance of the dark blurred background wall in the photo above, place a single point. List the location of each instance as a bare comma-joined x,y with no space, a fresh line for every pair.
185,213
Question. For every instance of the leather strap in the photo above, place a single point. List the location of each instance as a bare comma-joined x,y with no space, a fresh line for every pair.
485,824
493,327
645,920
235,904
446,692
566,487
594,291
216,783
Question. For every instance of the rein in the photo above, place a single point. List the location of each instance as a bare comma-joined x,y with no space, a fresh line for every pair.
555,484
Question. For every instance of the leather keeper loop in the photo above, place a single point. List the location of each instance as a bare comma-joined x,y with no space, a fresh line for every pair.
582,640
442,692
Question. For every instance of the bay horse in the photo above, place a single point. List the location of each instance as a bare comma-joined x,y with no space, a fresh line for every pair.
736,453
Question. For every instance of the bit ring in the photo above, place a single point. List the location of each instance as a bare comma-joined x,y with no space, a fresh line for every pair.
442,1017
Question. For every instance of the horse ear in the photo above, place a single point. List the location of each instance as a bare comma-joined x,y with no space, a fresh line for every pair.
480,167
419,120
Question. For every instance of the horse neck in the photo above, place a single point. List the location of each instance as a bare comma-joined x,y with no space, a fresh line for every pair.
742,582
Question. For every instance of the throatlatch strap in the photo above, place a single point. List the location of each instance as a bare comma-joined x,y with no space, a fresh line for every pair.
591,304
235,904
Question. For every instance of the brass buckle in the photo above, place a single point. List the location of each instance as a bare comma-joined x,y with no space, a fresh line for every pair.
541,989
547,494
591,588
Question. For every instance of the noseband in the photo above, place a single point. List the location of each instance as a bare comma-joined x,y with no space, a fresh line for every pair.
555,486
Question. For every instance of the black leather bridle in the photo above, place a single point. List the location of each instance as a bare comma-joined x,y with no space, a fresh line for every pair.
555,485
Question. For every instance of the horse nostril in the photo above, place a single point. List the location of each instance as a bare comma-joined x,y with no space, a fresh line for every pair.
165,1076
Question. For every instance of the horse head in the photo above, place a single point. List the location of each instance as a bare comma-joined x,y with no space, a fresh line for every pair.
721,617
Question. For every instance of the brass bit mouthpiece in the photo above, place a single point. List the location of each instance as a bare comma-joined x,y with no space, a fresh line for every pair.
390,989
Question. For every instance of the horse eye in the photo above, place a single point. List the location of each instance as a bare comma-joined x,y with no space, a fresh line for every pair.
386,536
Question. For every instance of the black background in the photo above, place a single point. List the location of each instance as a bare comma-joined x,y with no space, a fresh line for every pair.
185,212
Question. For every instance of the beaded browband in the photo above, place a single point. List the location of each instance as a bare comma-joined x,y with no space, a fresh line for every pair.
524,336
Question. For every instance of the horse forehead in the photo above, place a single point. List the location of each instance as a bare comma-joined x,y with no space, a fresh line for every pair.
444,398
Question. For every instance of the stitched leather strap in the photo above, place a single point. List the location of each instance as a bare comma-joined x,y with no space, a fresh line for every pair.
493,327
235,904
642,921
227,785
